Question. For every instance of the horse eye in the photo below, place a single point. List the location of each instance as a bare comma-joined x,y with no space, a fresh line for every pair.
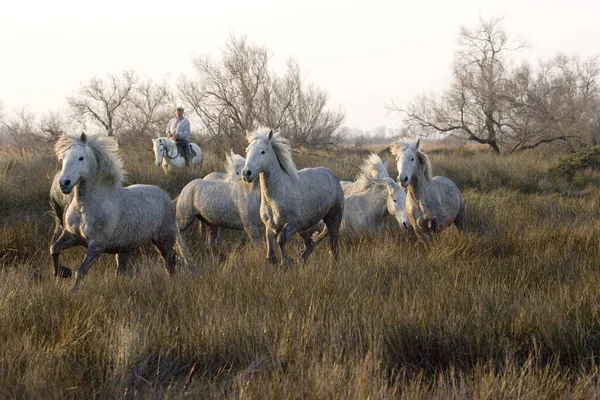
395,201
262,152
412,159
80,158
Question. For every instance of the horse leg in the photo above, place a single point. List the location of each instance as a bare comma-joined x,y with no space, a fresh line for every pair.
461,219
167,253
309,244
91,257
286,233
271,243
423,236
333,222
65,241
122,259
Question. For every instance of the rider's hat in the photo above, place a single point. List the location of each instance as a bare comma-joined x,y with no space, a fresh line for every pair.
179,108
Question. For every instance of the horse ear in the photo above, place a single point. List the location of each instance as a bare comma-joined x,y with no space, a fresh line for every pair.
270,134
418,143
83,138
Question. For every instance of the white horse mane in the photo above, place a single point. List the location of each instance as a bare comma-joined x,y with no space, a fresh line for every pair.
106,152
398,148
233,163
364,177
281,147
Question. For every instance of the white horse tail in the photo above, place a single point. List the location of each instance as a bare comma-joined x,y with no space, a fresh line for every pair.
184,253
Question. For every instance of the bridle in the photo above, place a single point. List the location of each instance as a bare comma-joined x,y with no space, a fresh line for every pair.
164,150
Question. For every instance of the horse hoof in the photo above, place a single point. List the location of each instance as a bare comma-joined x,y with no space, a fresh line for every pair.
62,272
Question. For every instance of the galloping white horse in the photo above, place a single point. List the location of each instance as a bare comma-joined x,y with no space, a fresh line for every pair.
106,217
373,209
432,203
372,168
292,201
166,153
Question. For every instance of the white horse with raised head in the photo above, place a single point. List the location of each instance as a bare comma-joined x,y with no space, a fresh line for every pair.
106,217
291,201
432,203
234,163
372,168
167,154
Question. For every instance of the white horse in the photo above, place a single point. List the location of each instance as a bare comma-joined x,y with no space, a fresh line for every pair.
292,201
106,217
432,203
372,210
166,154
229,204
222,200
234,163
372,168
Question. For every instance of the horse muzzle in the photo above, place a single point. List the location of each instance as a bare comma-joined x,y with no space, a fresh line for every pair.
66,187
404,181
247,175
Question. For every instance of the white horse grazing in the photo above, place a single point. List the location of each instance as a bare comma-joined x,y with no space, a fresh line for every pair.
106,217
234,163
432,204
292,201
372,168
166,153
372,210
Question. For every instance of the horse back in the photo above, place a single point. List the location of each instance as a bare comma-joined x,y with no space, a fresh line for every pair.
319,193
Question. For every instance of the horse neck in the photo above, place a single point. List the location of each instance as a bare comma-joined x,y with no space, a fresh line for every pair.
168,148
87,190
273,182
419,185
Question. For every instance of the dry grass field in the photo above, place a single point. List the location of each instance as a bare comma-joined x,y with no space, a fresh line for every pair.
509,310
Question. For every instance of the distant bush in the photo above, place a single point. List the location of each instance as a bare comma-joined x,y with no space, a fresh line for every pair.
566,166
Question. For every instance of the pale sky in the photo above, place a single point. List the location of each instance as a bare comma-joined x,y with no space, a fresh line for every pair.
363,53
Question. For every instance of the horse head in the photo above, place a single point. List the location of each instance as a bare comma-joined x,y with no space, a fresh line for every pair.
259,155
159,150
76,160
407,158
396,203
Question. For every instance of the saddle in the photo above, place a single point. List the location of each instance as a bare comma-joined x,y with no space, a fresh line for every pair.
181,150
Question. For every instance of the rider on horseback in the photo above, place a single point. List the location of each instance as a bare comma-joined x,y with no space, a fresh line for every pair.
178,129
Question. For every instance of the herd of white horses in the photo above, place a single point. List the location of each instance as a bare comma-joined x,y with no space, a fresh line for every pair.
263,195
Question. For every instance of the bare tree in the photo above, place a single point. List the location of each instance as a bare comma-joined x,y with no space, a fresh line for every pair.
21,131
558,102
475,105
52,125
239,93
100,100
148,110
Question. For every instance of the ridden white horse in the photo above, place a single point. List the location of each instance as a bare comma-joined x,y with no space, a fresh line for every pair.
432,203
372,168
291,201
106,217
166,154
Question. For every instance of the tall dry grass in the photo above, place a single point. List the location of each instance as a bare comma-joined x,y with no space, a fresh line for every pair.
509,310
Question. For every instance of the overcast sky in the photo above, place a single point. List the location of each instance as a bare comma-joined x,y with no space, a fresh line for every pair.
363,53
